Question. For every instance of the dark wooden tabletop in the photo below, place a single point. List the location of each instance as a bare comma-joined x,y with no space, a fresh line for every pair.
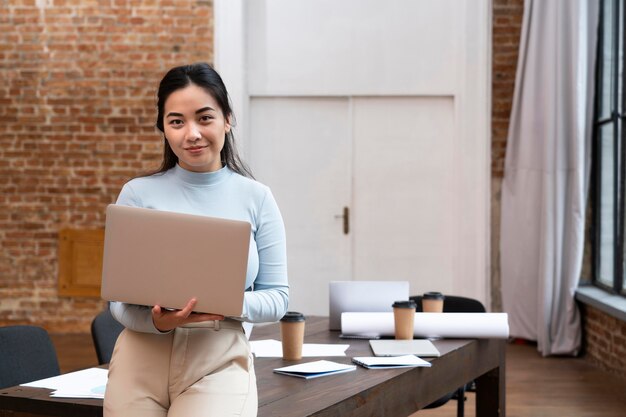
389,392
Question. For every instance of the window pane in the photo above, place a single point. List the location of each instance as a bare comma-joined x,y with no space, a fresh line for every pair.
607,60
620,59
620,131
606,204
620,125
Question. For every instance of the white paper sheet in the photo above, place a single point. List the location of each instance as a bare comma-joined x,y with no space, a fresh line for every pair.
88,383
450,325
271,348
386,362
315,369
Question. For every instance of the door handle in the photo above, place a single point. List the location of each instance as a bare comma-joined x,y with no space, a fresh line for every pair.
346,219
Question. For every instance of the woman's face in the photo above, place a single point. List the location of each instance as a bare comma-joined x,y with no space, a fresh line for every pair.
195,128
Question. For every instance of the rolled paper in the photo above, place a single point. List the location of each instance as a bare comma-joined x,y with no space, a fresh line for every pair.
447,325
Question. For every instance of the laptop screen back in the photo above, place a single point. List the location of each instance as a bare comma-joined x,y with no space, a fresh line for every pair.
156,257
363,296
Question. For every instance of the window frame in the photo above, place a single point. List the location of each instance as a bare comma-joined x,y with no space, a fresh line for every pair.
617,118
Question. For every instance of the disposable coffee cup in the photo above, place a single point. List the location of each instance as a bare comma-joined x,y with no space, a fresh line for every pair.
432,302
292,335
403,319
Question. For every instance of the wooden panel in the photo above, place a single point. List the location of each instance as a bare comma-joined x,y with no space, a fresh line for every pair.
80,262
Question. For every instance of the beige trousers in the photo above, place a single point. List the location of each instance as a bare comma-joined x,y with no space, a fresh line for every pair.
190,372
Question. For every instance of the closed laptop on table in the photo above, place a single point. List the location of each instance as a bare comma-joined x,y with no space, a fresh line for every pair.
363,296
154,257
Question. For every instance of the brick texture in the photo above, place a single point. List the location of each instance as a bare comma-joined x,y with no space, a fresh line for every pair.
604,340
507,27
77,114
506,30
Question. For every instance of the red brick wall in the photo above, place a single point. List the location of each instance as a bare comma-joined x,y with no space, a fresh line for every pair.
77,110
507,27
605,340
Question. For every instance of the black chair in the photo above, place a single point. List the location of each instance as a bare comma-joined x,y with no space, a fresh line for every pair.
104,332
454,304
26,354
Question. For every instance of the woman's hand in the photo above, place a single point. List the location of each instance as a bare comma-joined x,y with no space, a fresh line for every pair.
166,320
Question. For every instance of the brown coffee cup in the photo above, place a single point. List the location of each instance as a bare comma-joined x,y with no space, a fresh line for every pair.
292,335
432,302
403,319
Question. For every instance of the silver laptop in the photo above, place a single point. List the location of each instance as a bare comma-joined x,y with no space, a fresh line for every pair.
156,257
363,296
392,347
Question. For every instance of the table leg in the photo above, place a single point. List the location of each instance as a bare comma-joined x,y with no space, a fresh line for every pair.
490,391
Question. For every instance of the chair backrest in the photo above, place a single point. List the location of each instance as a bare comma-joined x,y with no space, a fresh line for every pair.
26,354
104,331
454,304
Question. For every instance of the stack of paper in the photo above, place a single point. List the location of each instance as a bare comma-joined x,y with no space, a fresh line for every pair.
88,383
386,362
315,369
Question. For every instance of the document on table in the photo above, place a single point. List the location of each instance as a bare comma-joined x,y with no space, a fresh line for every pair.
88,383
417,347
315,369
274,349
386,362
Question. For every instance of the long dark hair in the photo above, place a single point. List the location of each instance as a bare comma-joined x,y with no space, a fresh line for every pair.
204,76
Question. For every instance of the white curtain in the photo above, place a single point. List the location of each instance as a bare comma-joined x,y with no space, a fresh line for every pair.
546,177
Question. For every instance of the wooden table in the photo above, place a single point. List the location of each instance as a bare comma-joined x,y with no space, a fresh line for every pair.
379,393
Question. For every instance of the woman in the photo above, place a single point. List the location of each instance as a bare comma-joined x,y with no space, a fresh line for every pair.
180,363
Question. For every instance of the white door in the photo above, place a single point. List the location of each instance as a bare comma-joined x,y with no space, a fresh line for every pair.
368,154
404,224
382,108
301,148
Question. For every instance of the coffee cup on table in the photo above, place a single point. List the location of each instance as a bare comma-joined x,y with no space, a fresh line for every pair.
292,335
432,302
403,319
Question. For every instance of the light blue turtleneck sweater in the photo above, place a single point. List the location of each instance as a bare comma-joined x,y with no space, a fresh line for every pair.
225,194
